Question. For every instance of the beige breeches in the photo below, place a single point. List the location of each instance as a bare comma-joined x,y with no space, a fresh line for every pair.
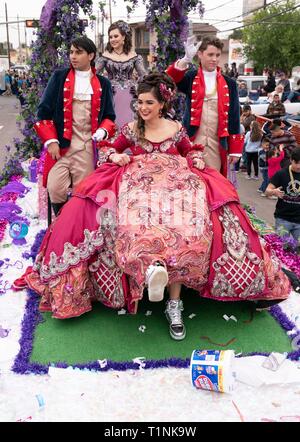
78,162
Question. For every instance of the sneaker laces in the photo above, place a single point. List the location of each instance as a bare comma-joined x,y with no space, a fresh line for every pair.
174,309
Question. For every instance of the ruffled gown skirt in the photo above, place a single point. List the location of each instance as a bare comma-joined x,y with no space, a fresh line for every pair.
157,208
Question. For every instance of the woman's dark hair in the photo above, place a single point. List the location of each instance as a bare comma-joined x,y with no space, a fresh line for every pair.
151,83
125,30
87,45
295,154
211,41
256,133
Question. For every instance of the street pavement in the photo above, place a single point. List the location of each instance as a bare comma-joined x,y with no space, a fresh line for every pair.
9,109
247,189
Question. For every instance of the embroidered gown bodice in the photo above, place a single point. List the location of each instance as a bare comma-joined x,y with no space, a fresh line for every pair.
120,73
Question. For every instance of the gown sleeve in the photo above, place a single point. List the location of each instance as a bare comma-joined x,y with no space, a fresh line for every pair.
187,149
122,142
139,66
100,64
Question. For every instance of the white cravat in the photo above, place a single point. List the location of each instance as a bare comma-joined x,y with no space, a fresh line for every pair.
83,88
210,79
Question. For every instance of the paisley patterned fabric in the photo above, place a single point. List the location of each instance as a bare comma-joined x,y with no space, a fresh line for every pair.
163,215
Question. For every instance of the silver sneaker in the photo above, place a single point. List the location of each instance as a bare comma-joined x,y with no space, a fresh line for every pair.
173,314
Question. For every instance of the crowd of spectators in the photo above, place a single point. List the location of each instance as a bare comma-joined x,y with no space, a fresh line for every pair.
15,84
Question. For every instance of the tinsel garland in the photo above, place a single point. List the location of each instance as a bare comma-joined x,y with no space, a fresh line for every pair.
290,259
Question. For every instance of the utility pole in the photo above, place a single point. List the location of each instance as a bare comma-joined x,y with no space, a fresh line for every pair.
20,49
7,37
102,34
110,13
26,44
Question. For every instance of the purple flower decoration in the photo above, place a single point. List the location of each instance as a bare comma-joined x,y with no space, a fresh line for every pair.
48,15
3,332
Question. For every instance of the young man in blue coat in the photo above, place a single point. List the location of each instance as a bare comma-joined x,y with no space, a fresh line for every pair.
212,114
76,106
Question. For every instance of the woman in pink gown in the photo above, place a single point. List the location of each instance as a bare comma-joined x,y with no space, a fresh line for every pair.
157,218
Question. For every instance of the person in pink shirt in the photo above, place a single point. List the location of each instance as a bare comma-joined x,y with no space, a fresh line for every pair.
274,157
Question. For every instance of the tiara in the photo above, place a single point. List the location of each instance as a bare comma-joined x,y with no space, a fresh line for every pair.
124,27
166,93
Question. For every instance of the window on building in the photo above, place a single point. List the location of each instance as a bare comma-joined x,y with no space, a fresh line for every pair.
146,38
138,38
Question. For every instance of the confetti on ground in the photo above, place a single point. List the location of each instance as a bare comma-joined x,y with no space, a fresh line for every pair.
3,332
207,338
276,404
251,318
122,312
239,413
140,361
227,318
102,363
148,313
192,315
142,328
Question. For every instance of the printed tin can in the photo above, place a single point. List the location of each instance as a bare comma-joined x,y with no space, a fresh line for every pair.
213,370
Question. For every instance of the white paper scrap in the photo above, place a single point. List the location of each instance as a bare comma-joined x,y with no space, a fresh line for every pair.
142,328
274,360
122,312
140,361
102,363
249,370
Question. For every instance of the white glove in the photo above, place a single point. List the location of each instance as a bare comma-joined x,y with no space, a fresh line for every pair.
191,49
99,135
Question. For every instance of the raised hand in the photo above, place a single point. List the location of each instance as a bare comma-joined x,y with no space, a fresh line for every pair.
191,49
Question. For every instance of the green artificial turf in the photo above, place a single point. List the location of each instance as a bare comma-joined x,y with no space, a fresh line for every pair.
103,334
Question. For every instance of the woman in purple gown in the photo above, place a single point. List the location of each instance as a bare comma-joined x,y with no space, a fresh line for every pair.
121,62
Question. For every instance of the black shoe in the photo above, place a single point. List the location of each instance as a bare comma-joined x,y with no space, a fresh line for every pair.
295,281
265,305
56,207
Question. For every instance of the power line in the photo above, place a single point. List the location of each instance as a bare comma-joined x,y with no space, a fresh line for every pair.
220,6
251,12
266,20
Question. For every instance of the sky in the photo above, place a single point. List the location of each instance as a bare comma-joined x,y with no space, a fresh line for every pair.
32,8
218,13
